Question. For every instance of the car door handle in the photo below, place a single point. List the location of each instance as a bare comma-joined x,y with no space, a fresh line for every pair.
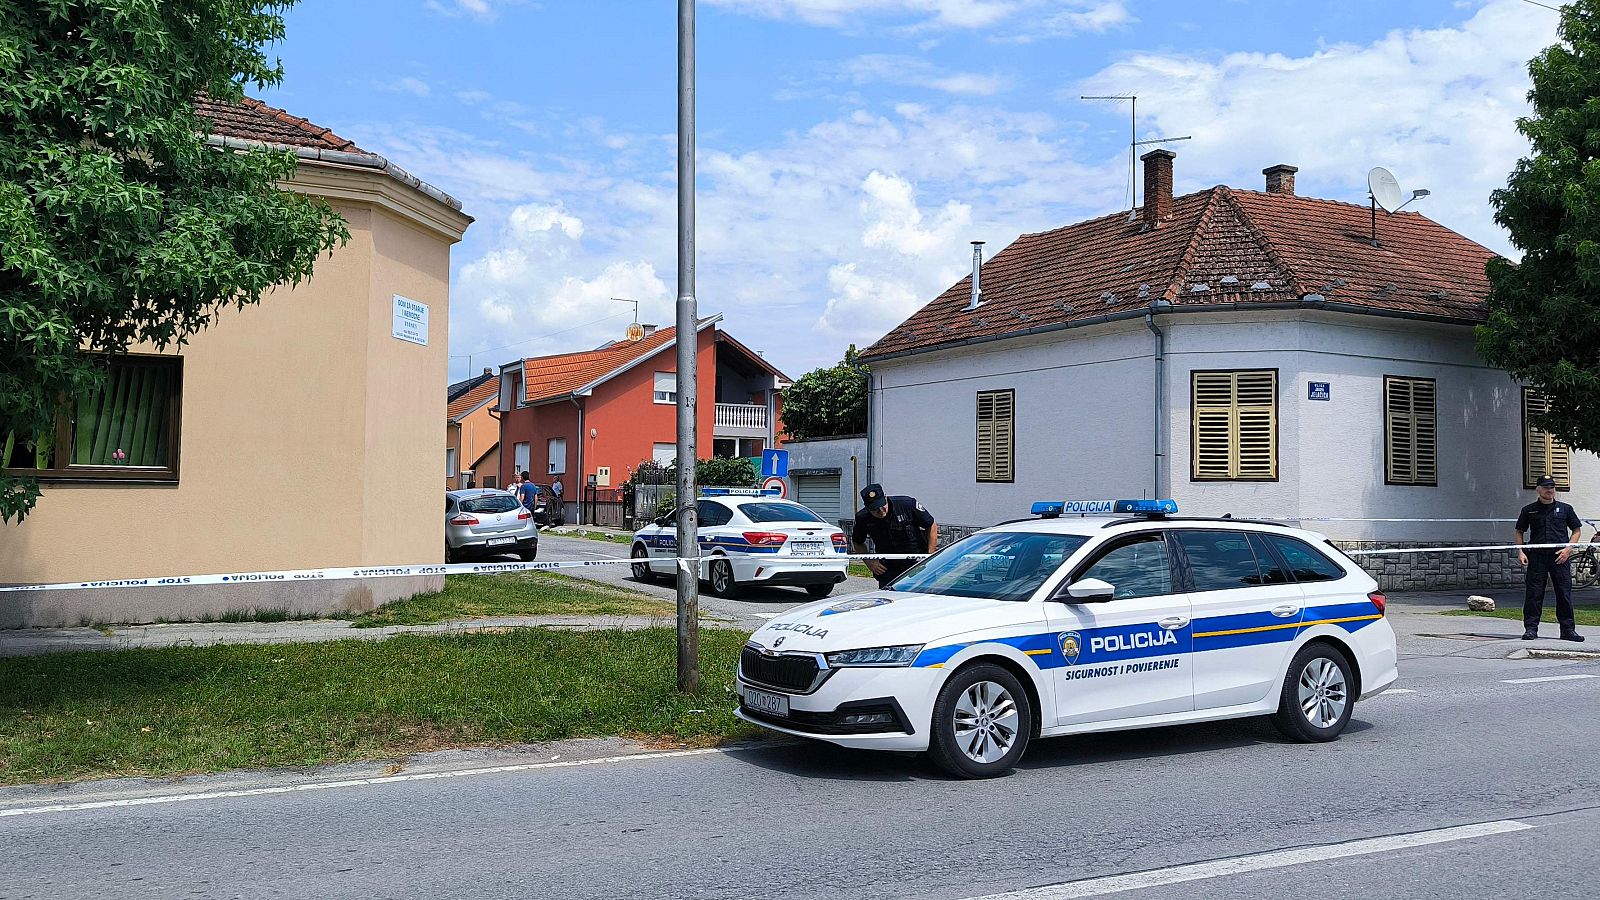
1173,623
1285,611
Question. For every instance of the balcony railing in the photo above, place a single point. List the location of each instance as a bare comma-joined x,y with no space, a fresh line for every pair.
741,415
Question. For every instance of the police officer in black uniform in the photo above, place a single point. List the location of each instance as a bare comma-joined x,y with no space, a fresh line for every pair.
1548,521
895,525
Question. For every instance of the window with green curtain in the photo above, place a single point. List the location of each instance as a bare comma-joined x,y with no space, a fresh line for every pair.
126,423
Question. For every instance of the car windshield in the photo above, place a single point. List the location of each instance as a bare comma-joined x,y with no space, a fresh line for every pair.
489,503
778,512
999,565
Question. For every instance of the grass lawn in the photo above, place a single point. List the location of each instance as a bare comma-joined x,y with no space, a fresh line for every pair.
859,569
69,716
1584,614
528,594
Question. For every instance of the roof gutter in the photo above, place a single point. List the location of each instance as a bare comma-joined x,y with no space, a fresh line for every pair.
1139,313
342,158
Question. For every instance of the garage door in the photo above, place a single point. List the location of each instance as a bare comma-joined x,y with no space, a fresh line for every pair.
820,494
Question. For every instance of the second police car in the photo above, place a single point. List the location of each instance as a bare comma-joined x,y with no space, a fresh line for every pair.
1115,616
748,537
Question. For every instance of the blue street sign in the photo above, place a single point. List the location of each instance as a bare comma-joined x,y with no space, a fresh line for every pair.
1319,390
774,463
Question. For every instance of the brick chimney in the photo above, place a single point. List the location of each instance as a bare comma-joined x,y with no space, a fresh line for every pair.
1157,186
1280,179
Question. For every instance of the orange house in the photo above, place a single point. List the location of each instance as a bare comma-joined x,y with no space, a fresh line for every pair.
596,415
472,433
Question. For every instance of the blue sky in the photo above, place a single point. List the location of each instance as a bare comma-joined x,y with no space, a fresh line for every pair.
849,149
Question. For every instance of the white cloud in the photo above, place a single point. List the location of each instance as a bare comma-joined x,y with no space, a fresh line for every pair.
408,85
1438,107
916,72
482,10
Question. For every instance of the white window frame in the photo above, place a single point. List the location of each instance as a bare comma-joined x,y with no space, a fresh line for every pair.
658,459
669,380
449,462
521,457
558,461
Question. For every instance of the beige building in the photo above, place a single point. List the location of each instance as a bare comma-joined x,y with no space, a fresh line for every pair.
296,434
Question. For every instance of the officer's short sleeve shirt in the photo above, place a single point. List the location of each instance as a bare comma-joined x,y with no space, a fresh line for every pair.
1548,523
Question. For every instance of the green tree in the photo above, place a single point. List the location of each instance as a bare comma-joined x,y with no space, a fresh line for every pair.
119,223
1544,312
718,471
828,402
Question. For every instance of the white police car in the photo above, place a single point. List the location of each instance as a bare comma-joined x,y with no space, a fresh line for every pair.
1093,622
748,537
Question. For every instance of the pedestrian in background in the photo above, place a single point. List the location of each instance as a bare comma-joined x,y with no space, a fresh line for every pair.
516,483
1548,521
895,525
528,492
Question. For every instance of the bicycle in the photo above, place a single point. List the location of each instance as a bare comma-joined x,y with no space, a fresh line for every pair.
1586,561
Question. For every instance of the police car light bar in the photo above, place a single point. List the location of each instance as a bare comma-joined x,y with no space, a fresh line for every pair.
739,492
1051,509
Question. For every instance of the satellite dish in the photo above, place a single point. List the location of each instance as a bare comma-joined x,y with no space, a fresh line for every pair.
635,332
1384,188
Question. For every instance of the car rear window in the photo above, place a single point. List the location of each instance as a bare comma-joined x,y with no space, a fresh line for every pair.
490,503
778,512
1306,562
1220,560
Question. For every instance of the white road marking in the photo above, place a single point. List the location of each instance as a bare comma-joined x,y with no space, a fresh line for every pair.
1394,691
346,783
766,615
1546,678
1133,881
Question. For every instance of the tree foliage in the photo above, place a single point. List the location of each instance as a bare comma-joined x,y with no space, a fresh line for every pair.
1544,312
719,471
119,224
828,402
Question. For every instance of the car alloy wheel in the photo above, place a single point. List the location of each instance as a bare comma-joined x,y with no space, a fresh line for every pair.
722,582
1316,699
641,570
982,722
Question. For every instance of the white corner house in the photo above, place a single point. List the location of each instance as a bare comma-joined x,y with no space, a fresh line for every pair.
1253,353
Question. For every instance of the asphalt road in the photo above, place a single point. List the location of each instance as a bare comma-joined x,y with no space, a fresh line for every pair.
755,604
1464,748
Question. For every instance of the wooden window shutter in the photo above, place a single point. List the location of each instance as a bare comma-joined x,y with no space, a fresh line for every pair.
1411,430
1235,425
996,435
1542,454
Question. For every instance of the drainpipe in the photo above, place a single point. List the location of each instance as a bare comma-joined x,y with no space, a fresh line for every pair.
582,433
1157,306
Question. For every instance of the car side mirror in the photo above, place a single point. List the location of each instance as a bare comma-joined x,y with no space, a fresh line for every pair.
1089,590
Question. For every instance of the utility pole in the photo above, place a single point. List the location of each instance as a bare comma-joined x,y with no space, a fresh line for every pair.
688,345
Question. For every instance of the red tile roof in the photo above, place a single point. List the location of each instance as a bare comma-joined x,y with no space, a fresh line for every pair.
1243,246
469,400
552,377
253,120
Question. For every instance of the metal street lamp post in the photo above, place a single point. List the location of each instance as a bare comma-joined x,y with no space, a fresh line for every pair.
688,342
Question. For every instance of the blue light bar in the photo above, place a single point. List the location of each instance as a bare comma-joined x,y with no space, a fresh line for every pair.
1051,509
739,492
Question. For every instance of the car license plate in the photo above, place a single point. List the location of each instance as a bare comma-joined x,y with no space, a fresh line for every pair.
761,701
495,542
807,548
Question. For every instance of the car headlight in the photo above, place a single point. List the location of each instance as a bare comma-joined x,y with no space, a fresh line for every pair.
875,656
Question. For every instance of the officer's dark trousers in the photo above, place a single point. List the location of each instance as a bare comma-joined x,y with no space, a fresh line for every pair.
1542,564
894,568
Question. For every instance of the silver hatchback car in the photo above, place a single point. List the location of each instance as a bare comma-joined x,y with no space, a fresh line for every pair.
486,522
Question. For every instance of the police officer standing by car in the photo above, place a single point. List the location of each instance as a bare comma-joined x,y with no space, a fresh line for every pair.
1548,521
895,525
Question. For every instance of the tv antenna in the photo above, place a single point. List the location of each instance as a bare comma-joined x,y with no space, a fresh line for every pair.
1133,143
1383,189
635,331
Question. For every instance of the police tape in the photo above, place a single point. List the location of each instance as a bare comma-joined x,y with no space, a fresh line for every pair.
300,576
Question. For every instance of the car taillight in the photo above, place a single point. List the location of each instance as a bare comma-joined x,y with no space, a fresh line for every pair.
524,514
765,538
838,542
464,519
1379,601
